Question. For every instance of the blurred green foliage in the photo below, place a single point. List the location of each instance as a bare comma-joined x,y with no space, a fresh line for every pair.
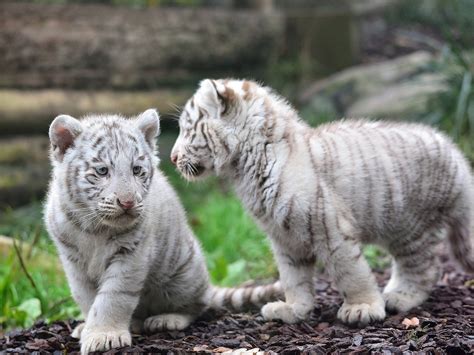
453,111
451,20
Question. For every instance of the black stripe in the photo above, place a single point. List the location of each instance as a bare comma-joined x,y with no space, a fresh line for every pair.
97,142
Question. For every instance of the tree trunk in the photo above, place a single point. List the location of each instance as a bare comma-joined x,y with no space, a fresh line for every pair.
100,46
31,111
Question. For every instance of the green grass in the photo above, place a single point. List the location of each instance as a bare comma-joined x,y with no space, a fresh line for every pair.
39,290
235,248
21,303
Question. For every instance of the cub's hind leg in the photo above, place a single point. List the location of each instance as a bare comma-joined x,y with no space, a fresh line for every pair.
415,270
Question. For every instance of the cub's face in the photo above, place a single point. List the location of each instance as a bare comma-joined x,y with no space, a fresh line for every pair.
199,141
212,125
107,165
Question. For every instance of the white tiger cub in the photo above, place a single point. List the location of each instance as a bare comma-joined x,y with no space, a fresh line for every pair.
321,192
122,236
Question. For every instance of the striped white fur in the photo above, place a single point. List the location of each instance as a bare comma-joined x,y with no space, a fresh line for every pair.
320,192
129,255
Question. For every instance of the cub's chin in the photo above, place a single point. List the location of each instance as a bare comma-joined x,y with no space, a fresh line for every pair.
124,220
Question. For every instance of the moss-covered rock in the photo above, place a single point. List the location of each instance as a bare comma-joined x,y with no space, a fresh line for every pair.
398,89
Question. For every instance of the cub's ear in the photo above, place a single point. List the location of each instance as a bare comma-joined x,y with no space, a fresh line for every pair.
63,131
218,93
149,124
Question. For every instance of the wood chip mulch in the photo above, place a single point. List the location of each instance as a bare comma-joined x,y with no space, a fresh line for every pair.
445,326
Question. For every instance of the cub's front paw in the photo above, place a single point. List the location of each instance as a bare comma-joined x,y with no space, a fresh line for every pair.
286,312
361,314
76,333
104,339
170,321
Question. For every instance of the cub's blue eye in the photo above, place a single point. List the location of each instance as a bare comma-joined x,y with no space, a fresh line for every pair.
137,170
102,170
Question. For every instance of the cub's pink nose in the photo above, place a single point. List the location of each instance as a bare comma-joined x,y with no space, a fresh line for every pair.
126,205
174,158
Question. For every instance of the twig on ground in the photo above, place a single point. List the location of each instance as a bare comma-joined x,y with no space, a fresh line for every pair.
23,266
36,239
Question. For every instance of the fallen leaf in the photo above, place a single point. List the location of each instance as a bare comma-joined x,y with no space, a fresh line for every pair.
469,283
411,323
244,351
37,344
357,340
445,280
322,326
221,349
201,348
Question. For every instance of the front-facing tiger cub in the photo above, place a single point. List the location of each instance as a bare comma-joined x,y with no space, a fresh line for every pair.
129,255
321,192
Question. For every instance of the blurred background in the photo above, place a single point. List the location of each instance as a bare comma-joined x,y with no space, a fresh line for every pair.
384,59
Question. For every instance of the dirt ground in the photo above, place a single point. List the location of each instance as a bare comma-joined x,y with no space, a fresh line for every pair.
446,323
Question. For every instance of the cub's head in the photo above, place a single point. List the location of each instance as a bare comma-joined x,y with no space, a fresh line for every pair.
221,115
104,166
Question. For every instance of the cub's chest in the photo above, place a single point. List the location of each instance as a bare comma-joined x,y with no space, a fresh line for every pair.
97,252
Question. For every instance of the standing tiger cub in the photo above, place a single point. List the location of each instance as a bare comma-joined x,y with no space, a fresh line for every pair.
130,257
319,193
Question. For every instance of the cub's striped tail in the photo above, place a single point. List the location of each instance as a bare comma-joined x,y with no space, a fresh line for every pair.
244,297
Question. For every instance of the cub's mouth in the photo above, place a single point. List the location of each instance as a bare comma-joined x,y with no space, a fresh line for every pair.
199,169
190,170
123,216
123,219
128,214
